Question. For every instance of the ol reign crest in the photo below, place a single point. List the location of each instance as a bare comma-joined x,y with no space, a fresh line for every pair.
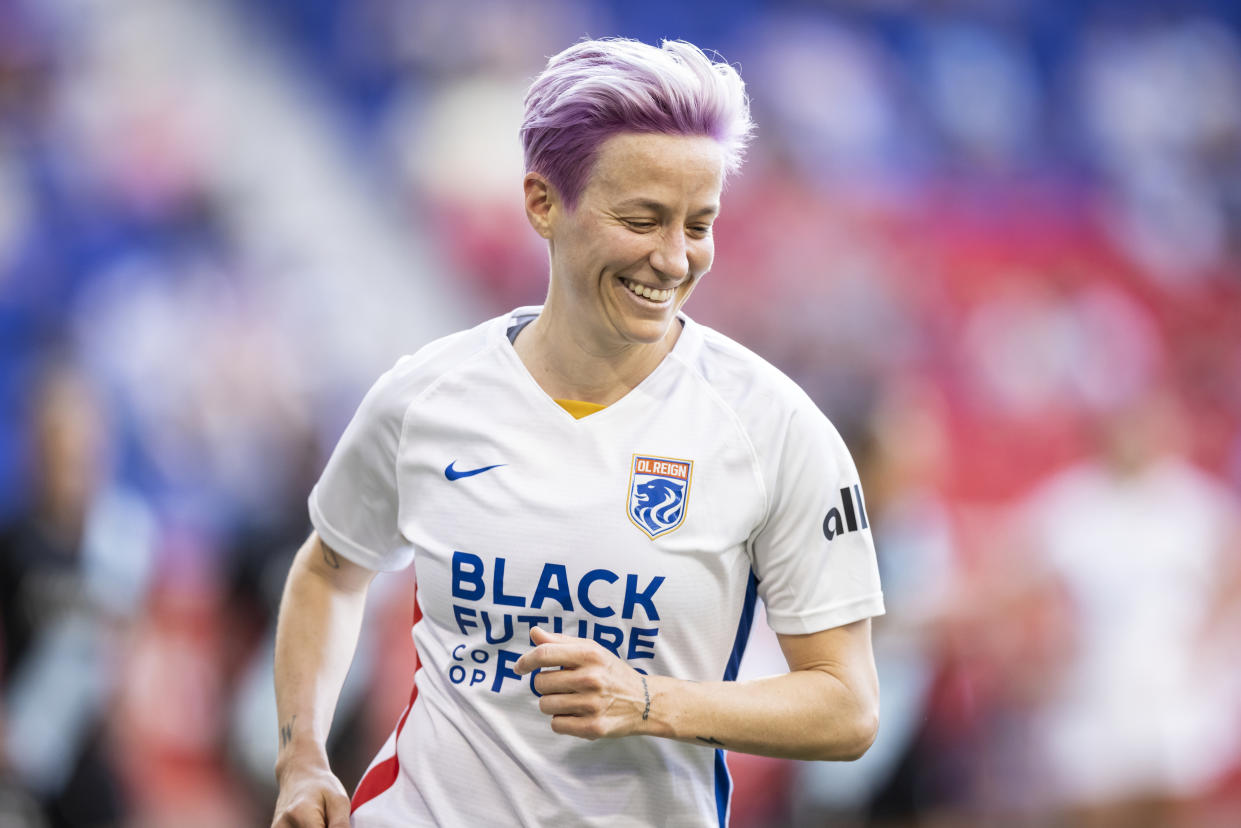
658,493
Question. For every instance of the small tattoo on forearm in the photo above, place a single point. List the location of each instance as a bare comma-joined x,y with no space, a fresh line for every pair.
286,732
646,711
329,558
710,740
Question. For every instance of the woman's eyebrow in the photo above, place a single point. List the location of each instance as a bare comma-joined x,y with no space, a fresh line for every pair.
657,207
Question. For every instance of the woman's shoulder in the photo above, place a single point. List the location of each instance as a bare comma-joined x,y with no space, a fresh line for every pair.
780,419
416,372
743,379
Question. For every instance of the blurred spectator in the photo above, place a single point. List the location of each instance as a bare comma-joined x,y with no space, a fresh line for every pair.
983,90
254,568
848,130
73,571
1162,102
1038,349
1143,715
904,463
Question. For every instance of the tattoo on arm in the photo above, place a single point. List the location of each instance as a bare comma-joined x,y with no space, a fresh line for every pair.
286,731
710,740
646,711
329,558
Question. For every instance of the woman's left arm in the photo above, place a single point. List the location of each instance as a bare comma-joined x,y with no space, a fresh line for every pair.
825,707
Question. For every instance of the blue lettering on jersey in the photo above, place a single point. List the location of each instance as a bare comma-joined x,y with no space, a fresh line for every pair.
505,659
467,583
583,592
546,589
481,610
609,637
634,596
501,598
644,638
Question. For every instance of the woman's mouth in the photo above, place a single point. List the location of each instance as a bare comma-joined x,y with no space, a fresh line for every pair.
647,292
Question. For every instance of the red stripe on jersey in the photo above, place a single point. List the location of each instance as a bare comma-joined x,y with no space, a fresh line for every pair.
383,776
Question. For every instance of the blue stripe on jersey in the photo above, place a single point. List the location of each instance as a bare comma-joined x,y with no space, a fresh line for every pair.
743,628
723,788
724,782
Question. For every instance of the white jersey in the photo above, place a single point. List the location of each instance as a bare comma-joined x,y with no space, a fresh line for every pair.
651,527
1140,557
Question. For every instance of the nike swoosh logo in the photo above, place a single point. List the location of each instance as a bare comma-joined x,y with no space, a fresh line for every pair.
453,474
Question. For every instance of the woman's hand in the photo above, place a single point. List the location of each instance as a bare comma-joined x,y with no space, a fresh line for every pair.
825,708
310,796
320,615
585,688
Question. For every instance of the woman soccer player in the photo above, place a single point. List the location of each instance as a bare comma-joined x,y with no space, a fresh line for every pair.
593,494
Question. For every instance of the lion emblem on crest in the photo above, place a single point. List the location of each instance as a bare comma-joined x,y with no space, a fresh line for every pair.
658,490
657,504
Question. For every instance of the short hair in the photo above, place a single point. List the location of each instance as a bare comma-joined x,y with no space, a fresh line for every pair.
599,88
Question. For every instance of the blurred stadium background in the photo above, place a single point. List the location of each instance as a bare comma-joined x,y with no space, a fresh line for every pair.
999,241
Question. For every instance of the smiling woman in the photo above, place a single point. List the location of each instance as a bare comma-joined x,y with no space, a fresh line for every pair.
582,607
623,262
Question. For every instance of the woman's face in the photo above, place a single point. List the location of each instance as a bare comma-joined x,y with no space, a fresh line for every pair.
628,256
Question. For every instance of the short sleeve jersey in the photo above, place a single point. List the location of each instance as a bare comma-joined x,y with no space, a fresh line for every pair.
651,527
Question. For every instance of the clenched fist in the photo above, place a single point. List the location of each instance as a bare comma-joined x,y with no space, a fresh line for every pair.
310,797
585,688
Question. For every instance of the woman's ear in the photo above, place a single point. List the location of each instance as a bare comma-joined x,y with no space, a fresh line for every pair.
542,201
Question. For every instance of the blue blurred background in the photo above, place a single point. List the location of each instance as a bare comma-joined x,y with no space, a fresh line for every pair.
999,242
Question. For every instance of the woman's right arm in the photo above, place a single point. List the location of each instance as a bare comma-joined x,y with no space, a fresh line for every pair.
316,634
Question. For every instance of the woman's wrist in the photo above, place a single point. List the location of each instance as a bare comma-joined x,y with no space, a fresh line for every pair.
299,750
660,696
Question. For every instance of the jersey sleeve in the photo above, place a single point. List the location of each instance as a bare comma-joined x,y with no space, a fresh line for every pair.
814,556
355,504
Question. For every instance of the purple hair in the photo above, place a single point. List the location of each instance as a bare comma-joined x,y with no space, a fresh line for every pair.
599,88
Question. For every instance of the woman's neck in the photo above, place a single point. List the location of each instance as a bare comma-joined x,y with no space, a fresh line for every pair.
569,363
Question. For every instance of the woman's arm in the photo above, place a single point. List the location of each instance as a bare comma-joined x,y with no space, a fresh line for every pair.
826,707
317,632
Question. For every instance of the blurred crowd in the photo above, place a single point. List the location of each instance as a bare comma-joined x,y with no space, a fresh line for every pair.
998,242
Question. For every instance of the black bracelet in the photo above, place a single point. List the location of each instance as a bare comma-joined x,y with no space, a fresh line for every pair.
646,710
